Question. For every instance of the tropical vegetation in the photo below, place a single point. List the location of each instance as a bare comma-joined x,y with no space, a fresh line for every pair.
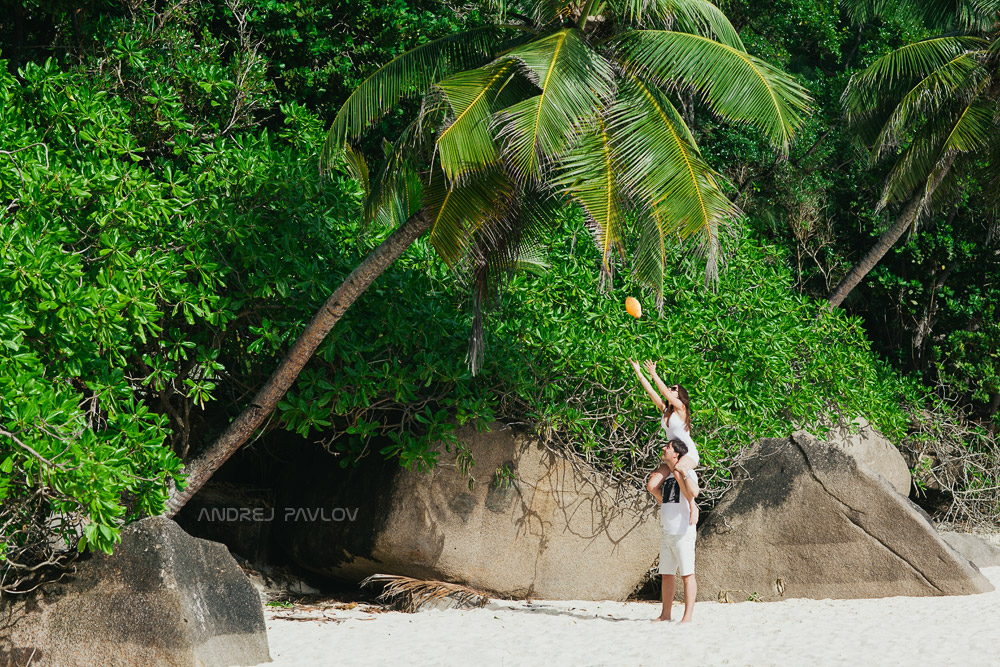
168,229
573,107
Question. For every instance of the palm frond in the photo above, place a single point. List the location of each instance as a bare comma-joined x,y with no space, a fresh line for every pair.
466,143
587,174
973,130
704,18
411,73
863,11
530,260
942,14
459,210
414,593
695,16
357,168
660,163
548,12
933,149
504,245
734,84
973,15
574,83
901,69
650,258
394,191
959,78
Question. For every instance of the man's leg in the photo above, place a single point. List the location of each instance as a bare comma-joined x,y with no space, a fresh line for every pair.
668,563
667,583
690,593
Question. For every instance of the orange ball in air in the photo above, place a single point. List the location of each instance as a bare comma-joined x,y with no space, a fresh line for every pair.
633,307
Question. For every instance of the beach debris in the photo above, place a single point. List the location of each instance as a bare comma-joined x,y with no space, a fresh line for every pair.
412,594
730,597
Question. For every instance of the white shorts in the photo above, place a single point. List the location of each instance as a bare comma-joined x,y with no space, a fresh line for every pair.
677,552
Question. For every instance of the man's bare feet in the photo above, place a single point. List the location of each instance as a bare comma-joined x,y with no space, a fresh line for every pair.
661,618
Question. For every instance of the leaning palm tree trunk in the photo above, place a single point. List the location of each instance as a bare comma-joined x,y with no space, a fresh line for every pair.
893,234
876,253
199,470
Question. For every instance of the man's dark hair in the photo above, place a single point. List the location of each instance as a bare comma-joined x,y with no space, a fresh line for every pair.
679,447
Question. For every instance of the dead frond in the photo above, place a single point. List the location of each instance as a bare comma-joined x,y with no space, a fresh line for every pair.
411,594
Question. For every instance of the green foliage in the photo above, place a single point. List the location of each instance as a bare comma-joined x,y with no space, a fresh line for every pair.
92,264
144,240
758,359
542,109
165,235
138,237
942,314
821,204
319,51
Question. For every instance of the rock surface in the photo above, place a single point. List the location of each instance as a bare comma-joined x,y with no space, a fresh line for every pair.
239,517
974,548
163,598
812,522
869,447
530,525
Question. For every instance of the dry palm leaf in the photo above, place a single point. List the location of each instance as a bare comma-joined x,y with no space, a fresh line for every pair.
411,594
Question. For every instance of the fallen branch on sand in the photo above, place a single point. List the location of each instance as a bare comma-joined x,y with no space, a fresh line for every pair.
411,594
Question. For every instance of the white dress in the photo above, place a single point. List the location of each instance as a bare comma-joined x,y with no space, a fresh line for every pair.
675,429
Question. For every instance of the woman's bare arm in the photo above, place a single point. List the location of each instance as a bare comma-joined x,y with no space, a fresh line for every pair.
670,396
657,400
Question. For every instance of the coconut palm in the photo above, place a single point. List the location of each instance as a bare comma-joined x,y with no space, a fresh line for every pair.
933,105
941,14
563,103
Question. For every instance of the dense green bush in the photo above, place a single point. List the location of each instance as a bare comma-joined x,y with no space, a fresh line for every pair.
758,359
928,306
153,255
93,261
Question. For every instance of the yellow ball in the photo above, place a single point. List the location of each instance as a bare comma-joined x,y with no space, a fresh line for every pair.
633,307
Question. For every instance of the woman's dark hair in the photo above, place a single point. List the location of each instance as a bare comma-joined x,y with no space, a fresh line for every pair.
682,394
679,447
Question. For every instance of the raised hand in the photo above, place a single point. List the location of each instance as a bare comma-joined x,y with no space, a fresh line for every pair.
650,366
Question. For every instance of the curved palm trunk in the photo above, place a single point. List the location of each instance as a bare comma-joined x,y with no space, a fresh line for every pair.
200,469
874,254
889,238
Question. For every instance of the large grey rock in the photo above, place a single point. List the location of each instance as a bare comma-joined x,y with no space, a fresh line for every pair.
812,522
869,447
163,598
974,548
551,531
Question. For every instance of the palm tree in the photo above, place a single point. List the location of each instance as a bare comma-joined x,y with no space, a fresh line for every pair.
566,103
938,99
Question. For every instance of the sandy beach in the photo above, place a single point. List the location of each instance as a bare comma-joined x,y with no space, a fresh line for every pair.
962,630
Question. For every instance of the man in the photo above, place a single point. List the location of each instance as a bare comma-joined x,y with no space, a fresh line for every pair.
676,491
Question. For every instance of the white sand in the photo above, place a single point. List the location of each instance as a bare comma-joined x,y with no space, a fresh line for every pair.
956,630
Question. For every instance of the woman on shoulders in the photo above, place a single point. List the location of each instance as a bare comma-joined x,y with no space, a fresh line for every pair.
675,412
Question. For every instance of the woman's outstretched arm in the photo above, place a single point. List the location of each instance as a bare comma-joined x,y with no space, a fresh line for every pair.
656,398
670,396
